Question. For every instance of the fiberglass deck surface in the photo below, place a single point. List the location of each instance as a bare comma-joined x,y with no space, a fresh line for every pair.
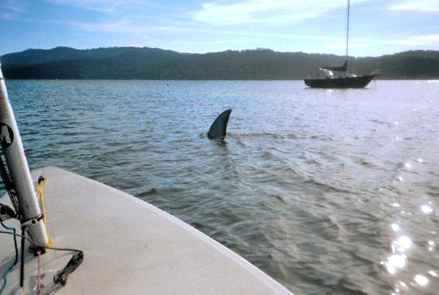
131,247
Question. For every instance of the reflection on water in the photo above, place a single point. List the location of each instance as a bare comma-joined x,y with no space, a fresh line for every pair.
330,192
401,262
431,246
396,227
426,209
398,259
421,280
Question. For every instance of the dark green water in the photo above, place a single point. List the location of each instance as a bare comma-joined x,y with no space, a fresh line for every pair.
329,192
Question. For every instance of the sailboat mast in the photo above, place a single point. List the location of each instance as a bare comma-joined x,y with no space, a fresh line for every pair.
347,29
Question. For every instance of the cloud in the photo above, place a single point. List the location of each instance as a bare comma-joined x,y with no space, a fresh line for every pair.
105,6
418,5
11,9
108,26
124,26
266,11
417,41
395,44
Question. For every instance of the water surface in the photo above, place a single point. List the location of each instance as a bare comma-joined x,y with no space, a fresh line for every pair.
328,191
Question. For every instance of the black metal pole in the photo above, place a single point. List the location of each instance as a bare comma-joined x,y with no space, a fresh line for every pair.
23,236
348,16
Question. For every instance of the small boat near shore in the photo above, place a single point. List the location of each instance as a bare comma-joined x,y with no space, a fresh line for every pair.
339,76
352,81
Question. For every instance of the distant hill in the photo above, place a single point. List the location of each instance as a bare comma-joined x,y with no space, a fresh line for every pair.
158,64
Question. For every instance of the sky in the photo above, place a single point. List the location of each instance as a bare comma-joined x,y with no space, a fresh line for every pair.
315,26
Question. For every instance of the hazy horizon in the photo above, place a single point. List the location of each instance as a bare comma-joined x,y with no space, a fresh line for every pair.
212,52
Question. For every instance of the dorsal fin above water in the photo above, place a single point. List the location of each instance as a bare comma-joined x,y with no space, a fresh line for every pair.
218,130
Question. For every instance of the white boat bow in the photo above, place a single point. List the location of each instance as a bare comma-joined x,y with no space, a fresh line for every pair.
130,247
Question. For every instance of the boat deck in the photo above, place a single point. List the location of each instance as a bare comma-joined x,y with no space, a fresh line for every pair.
130,247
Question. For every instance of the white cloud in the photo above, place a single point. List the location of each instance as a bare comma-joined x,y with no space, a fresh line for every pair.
417,41
418,5
391,44
108,27
266,11
105,6
124,26
10,9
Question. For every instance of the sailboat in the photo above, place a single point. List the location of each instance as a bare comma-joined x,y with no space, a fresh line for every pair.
339,76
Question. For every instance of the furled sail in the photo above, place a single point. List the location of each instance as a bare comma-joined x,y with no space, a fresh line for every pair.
342,68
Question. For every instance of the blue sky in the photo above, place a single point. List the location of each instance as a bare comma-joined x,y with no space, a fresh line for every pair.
318,26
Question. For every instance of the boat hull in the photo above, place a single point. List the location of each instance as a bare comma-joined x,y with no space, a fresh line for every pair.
345,82
130,247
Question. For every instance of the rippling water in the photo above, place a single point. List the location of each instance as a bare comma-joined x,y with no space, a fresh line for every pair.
330,192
